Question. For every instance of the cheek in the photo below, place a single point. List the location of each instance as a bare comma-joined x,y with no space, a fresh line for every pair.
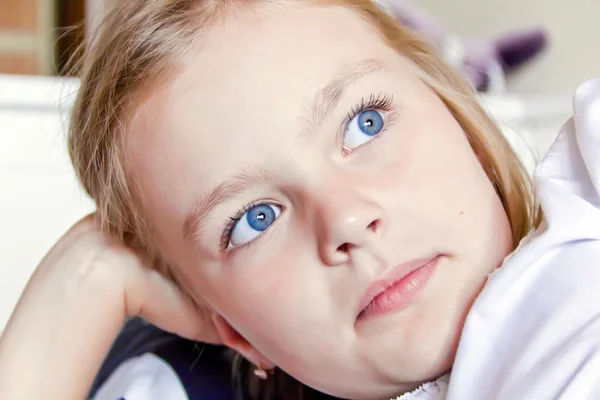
431,165
272,302
436,185
284,307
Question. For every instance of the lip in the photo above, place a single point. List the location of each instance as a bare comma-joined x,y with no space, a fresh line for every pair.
399,289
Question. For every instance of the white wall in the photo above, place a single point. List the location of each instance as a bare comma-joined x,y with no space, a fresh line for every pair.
574,25
39,195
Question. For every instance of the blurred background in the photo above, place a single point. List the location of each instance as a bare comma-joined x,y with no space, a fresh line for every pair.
34,39
527,85
573,27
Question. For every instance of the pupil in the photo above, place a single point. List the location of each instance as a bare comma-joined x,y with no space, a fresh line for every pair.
261,216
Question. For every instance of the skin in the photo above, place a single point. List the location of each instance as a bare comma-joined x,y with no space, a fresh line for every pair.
417,190
73,308
347,217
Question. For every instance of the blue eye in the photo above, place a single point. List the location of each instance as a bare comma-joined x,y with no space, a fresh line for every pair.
253,223
362,128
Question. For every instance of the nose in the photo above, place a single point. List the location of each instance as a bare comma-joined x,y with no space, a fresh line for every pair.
346,222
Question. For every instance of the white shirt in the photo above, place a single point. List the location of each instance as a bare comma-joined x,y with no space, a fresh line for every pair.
534,331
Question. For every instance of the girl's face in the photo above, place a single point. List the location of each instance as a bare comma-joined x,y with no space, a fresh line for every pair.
295,169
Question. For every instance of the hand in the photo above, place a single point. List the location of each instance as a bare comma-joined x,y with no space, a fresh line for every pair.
145,292
73,308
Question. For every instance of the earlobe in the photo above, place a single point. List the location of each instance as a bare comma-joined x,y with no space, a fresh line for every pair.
232,339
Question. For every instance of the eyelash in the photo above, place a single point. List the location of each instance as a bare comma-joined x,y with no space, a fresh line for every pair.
231,224
383,102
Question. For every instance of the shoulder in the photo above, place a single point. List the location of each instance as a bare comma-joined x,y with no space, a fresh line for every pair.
146,377
147,363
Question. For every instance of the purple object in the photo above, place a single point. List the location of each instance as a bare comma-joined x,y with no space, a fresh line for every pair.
508,51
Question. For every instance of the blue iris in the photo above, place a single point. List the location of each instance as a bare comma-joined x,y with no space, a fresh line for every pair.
261,217
370,122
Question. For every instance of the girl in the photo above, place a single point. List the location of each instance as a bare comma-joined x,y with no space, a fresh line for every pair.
313,188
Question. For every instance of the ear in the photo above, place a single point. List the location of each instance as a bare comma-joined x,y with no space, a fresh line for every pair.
234,340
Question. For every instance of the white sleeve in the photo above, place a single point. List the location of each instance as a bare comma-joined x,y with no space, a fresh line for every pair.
146,377
534,330
587,128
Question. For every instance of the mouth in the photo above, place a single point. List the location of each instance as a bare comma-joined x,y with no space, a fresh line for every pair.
398,290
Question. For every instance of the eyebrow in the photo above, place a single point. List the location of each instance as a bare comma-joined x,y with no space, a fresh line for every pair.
328,98
321,105
195,222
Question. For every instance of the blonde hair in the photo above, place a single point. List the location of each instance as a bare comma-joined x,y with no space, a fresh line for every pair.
140,42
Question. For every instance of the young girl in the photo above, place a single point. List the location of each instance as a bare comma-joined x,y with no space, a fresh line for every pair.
309,185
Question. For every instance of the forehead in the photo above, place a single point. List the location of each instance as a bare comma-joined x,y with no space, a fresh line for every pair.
248,83
280,57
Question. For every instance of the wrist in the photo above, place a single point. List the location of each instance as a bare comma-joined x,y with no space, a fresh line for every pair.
62,328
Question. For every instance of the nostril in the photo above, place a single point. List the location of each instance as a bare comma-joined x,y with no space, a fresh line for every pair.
343,248
346,247
373,225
